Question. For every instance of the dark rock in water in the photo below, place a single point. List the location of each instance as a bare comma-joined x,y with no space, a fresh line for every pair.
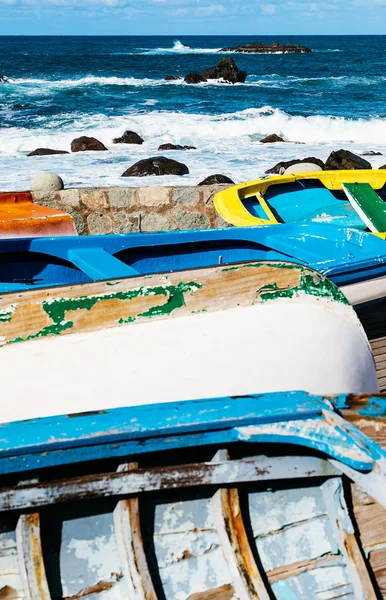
46,152
272,139
84,143
158,165
227,70
172,78
372,153
129,137
194,78
282,166
175,147
344,159
383,167
259,48
216,179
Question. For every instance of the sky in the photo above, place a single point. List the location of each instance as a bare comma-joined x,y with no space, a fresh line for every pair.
192,17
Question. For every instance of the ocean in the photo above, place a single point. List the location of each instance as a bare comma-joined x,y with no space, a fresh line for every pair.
62,87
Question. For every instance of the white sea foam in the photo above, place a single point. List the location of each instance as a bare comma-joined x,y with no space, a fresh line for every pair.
180,48
226,143
33,86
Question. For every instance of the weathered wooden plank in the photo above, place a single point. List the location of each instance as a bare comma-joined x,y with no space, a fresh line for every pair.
101,305
130,546
287,571
371,520
225,592
145,480
31,558
377,560
247,580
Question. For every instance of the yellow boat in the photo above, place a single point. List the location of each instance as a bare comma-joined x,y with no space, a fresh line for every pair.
343,198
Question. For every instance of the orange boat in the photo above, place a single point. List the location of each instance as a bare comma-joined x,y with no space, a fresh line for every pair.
21,217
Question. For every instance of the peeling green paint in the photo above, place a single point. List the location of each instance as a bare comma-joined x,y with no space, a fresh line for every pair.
6,313
311,284
57,308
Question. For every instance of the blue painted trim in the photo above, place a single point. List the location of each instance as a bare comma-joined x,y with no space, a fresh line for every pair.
344,254
297,419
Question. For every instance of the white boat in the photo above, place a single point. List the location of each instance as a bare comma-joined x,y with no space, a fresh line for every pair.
222,331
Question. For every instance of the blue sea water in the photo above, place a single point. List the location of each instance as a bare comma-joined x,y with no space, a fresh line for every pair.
61,87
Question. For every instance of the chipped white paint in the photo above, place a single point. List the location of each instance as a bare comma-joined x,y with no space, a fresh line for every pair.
325,583
9,564
188,549
306,343
89,555
286,536
296,543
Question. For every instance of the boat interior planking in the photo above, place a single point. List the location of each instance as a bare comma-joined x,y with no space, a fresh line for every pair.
262,497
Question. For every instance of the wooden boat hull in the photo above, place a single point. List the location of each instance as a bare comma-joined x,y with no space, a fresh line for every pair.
347,256
209,332
256,497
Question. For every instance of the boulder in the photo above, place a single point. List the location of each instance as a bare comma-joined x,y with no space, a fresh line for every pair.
84,143
282,166
46,152
171,78
169,146
129,137
344,159
194,78
216,179
227,70
271,139
158,165
303,168
383,167
372,153
46,182
275,48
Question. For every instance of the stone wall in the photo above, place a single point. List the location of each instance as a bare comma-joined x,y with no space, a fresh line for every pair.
125,210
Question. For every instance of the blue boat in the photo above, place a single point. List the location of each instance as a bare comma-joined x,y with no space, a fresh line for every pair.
233,498
353,259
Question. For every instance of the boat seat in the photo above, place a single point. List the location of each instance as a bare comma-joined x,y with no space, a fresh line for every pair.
369,206
20,217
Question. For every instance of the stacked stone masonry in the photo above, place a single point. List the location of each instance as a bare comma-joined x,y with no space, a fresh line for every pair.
127,210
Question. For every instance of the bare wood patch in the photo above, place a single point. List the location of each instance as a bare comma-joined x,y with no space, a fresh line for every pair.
287,571
8,593
371,521
377,560
225,592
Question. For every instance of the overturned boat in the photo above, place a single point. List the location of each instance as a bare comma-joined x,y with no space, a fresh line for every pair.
191,334
278,496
